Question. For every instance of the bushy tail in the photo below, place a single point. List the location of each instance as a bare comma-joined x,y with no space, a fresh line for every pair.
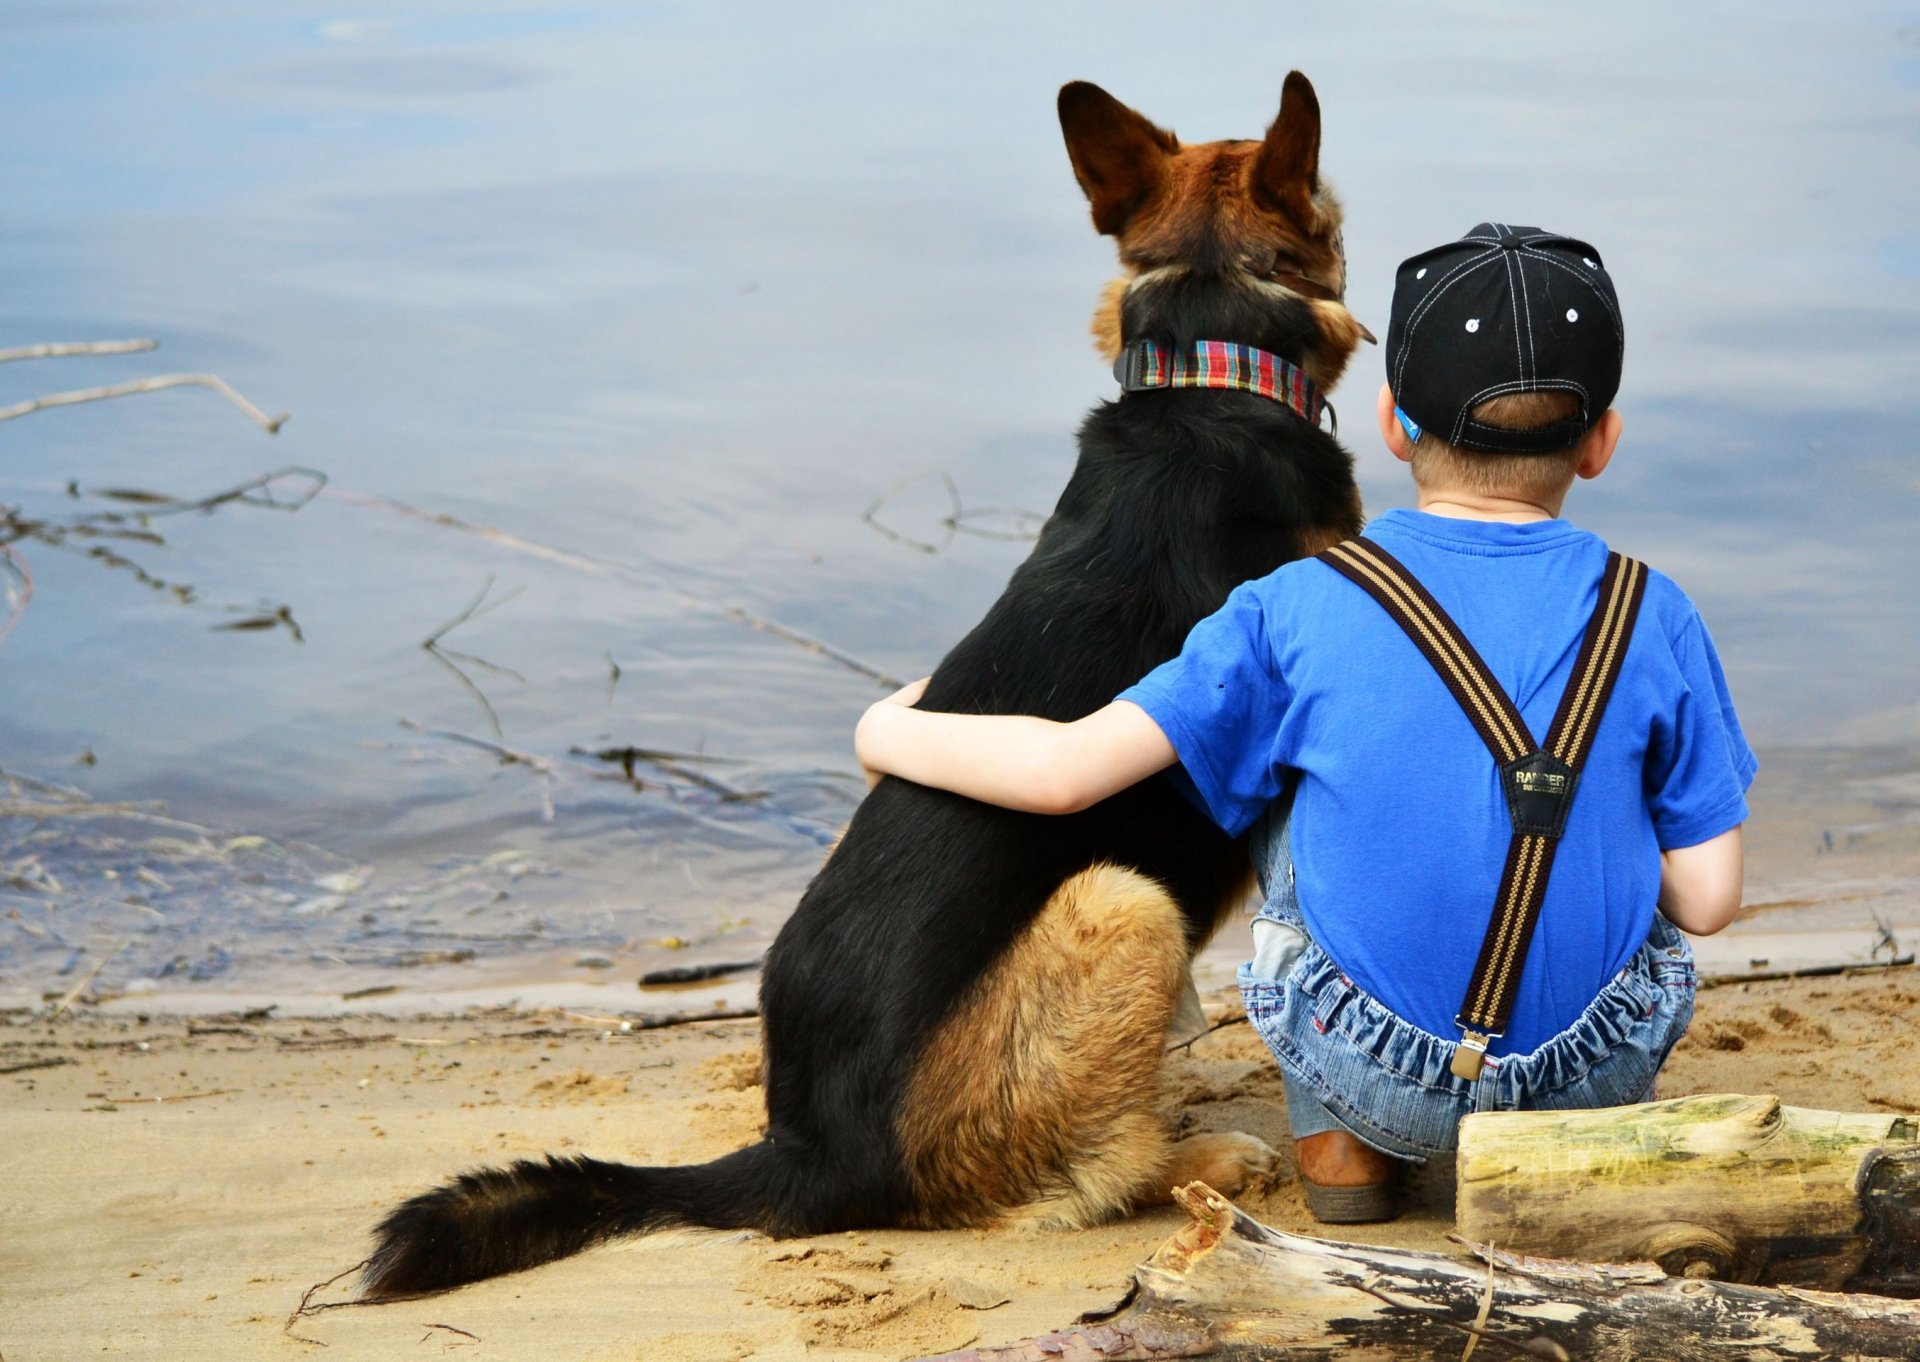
497,1220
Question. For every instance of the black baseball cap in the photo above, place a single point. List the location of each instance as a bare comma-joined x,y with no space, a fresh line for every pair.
1504,310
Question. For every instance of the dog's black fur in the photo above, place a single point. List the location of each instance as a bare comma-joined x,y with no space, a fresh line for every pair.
1177,497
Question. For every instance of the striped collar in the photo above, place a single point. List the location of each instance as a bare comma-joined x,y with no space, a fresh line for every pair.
1147,364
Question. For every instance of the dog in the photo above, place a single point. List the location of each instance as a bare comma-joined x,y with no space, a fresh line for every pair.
964,1017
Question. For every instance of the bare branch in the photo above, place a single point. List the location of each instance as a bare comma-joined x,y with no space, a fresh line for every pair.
622,572
16,589
270,424
59,349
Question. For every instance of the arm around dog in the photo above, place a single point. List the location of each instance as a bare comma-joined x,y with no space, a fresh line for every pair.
1013,760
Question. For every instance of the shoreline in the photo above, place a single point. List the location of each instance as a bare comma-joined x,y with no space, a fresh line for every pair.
175,1184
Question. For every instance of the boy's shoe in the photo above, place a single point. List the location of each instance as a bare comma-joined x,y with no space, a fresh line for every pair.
1347,1180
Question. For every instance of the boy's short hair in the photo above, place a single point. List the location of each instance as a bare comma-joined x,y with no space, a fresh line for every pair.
1504,312
1529,477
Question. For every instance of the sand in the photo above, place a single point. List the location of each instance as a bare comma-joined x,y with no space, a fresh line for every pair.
170,1187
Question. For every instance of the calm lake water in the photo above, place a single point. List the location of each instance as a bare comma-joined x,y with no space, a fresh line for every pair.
623,315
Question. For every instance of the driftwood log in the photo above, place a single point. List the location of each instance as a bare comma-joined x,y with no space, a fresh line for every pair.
1228,1287
1736,1188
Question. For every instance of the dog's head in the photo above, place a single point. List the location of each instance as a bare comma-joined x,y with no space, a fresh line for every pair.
1232,241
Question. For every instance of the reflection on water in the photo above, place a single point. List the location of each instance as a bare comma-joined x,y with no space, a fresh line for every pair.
634,311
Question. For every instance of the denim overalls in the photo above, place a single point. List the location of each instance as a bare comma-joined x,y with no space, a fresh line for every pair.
1351,1064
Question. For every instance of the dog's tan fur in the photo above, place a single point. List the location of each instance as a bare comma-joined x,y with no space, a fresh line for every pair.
1053,1064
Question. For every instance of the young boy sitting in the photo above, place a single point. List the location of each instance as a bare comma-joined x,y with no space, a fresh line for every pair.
1393,791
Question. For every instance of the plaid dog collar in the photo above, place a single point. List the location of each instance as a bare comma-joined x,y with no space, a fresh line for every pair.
1144,365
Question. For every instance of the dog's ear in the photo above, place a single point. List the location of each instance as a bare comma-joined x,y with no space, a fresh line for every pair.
1286,174
1119,157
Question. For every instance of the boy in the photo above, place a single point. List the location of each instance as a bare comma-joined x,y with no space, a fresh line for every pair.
1355,741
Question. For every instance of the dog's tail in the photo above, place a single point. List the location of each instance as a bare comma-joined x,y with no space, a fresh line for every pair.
497,1220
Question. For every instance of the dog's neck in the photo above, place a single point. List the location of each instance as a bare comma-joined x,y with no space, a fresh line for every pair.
1146,365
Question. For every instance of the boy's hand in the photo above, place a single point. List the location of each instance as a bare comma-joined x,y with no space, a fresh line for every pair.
907,697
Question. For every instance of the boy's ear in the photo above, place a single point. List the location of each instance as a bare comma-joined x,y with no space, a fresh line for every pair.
1390,428
1118,156
1597,445
1287,171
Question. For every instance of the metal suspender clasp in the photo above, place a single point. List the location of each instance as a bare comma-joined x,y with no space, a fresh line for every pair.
1470,1055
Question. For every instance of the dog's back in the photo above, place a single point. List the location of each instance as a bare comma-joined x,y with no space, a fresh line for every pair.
963,1017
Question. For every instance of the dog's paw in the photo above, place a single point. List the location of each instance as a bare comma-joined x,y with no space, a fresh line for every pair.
1226,1161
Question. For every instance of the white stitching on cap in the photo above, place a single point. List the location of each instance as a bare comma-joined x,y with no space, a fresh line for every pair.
1513,301
1527,385
1598,292
1533,358
1465,417
1445,282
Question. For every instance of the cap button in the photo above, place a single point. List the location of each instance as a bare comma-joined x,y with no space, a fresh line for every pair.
1509,243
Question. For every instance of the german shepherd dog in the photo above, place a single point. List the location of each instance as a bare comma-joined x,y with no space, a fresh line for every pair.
965,1016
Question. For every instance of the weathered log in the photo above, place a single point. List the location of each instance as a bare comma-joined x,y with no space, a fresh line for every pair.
1736,1188
1228,1287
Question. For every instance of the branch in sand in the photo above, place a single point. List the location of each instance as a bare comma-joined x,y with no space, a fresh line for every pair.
1228,1287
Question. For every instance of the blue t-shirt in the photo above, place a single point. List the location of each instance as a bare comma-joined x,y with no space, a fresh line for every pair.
1399,826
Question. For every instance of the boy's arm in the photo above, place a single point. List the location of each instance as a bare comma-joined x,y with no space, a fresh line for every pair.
1015,761
1700,885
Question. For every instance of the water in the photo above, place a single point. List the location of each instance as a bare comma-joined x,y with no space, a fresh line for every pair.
638,308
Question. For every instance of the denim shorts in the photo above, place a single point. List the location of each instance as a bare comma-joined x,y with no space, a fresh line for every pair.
1389,1082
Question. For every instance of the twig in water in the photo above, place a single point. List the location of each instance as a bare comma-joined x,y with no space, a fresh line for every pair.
59,349
273,619
632,576
444,656
81,987
959,519
160,503
871,515
270,424
16,588
508,755
473,610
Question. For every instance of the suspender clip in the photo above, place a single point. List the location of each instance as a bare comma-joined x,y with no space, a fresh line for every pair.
1470,1055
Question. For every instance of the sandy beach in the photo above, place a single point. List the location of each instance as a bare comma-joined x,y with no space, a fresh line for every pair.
172,1186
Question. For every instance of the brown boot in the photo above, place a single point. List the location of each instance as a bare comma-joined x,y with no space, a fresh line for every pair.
1347,1180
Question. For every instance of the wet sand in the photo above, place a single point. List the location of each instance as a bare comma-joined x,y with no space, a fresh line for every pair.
172,1186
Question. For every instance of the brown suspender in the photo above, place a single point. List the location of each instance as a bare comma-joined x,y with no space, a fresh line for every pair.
1539,781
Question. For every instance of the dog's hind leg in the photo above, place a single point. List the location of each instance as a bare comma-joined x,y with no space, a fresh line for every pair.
1038,1095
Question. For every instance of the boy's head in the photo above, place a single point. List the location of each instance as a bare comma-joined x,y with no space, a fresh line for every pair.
1503,358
